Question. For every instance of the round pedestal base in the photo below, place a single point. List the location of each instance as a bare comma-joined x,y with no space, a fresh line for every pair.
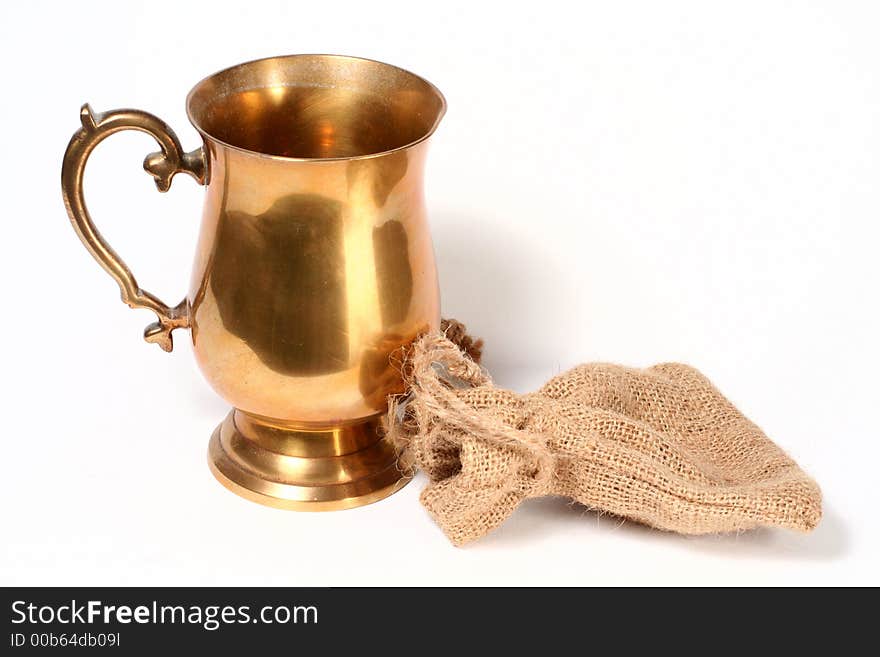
305,470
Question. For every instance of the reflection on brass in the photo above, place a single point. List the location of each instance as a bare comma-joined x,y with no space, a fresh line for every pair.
393,272
312,227
361,173
383,365
314,264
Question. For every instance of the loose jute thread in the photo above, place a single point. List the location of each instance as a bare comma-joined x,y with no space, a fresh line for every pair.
660,446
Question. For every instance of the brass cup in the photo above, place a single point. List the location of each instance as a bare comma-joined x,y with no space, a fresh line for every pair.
314,267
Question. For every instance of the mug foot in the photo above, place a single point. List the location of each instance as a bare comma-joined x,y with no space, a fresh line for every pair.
305,469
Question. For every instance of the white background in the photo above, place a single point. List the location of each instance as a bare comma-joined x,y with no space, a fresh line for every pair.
633,182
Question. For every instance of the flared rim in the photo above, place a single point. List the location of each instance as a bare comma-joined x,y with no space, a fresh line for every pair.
231,70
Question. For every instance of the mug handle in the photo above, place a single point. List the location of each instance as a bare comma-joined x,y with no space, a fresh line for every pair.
162,166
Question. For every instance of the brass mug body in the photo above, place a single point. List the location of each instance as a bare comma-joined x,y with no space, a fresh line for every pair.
314,267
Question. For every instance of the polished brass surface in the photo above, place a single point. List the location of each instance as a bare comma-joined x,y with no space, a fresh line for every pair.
162,166
314,264
305,477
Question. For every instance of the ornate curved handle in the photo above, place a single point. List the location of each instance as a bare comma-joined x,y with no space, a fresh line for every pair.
162,166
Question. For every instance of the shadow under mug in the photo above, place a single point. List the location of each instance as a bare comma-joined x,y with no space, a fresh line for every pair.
314,267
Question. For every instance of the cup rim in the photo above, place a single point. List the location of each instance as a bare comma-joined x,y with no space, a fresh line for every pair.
209,137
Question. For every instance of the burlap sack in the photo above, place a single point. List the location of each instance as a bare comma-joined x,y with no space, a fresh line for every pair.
660,446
